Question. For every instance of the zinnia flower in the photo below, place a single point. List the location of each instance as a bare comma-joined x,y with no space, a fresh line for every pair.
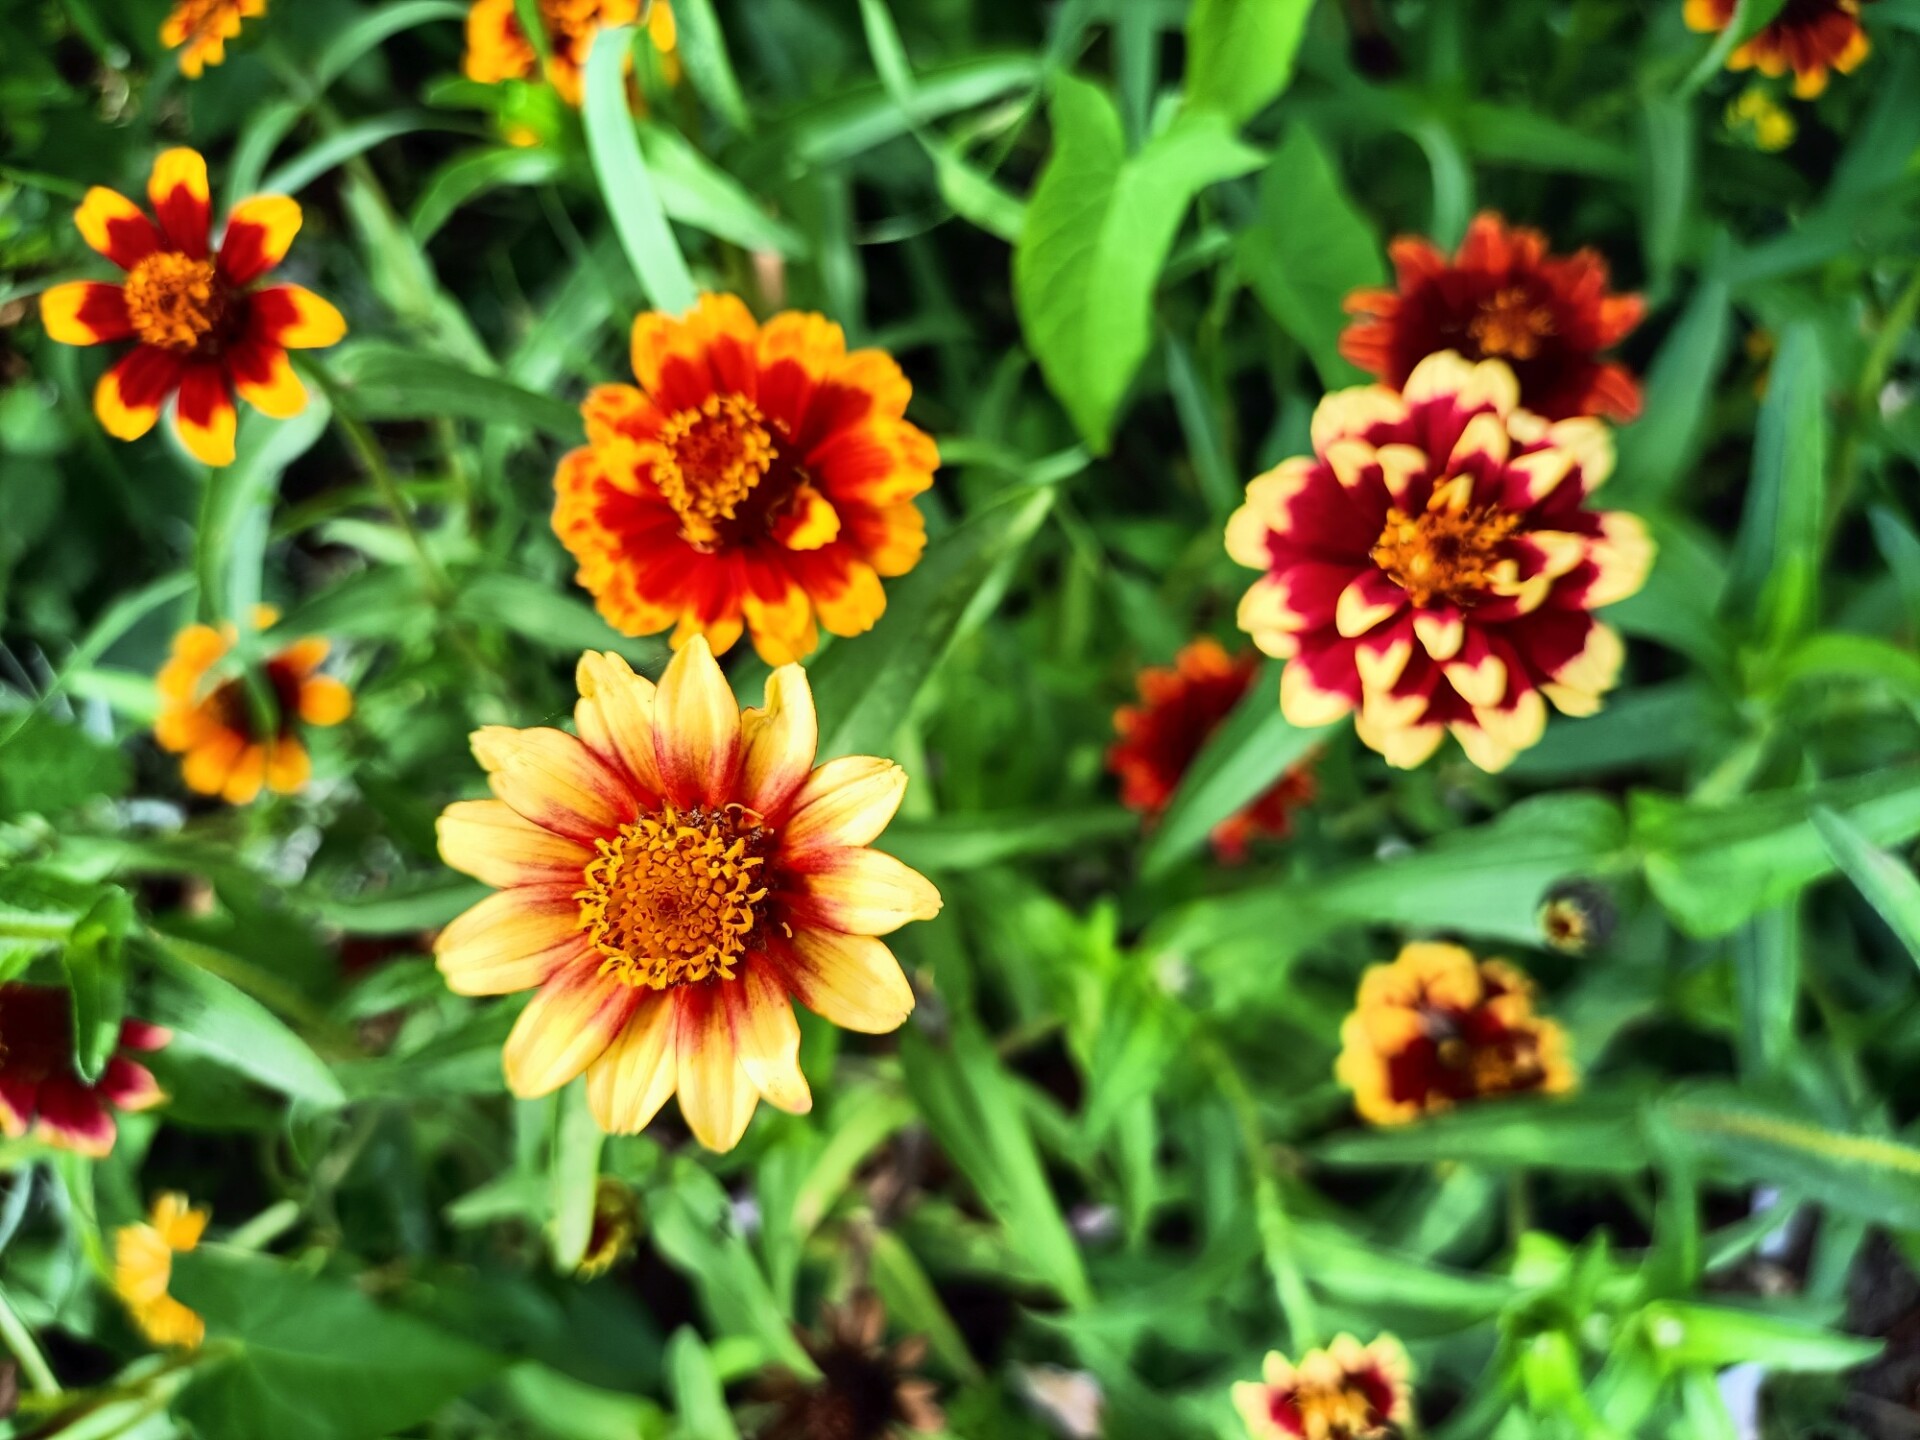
498,49
1812,38
1437,1027
1502,297
143,1268
1431,565
42,1092
1347,1391
670,880
231,750
200,29
866,1391
1181,706
199,328
760,476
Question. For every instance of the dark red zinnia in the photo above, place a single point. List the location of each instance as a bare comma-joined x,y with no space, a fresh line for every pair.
1502,297
42,1092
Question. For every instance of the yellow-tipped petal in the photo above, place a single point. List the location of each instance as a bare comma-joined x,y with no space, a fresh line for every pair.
716,1097
568,1024
777,741
696,728
851,980
628,1084
512,941
768,1038
489,840
845,803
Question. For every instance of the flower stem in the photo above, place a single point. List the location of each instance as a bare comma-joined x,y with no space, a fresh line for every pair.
19,1339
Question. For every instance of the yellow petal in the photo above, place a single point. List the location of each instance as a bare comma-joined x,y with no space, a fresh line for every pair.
512,941
846,802
615,715
566,1027
768,1038
716,1098
554,780
865,892
777,742
696,732
489,840
851,980
628,1084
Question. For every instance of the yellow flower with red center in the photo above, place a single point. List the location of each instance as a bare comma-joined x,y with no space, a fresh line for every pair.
1432,565
201,330
200,29
1437,1027
758,478
236,740
1812,38
143,1269
1347,1391
498,49
671,878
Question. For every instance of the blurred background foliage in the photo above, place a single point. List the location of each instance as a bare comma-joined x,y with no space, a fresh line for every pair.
1108,240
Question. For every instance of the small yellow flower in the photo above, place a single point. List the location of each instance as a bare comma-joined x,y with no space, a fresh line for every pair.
1760,119
143,1268
1347,1391
200,29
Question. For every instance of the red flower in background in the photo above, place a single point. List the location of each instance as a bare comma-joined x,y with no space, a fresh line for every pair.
1502,297
42,1092
1181,706
1812,38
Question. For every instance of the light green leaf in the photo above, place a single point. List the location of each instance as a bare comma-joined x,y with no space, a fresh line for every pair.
1889,886
914,1305
95,961
952,843
699,193
1720,1335
230,1026
703,50
1582,1133
626,184
553,619
467,176
1240,53
577,1143
698,1399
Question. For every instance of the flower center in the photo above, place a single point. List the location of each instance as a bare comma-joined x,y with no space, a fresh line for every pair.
233,707
1445,552
715,457
1511,324
673,897
1341,1412
175,301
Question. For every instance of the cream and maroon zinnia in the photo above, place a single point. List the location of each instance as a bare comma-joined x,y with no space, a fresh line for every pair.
1432,566
670,880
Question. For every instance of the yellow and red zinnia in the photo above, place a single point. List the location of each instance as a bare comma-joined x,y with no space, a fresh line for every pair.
1181,706
498,49
1432,565
758,477
1502,297
1437,1027
1347,1391
201,330
200,29
235,742
41,1091
1812,38
671,878
143,1269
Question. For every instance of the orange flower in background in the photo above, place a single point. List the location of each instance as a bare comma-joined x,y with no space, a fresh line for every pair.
1812,38
40,1089
498,49
1432,565
1181,707
670,881
143,1269
1502,297
1347,1391
200,29
759,477
231,749
200,331
1438,1027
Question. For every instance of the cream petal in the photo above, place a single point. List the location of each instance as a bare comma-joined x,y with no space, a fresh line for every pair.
489,840
615,715
863,892
846,803
511,941
696,733
768,1038
716,1097
629,1083
566,1027
777,742
851,980
555,781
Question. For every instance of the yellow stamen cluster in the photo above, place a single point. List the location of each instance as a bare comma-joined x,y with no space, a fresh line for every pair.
1510,324
1443,551
714,457
672,898
173,300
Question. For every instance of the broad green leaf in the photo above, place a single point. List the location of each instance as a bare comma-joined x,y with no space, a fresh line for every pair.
1098,230
301,1358
1889,886
214,1016
563,1408
698,1399
1776,565
1373,1277
626,184
1862,659
1240,53
388,382
95,961
1660,447
1582,1133
1767,962
38,910
232,535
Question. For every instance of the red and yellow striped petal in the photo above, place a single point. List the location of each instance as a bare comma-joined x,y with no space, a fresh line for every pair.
113,226
767,1038
851,980
129,396
615,716
85,312
181,200
555,781
696,729
203,416
846,803
263,375
778,740
863,892
259,232
628,1084
513,941
489,840
568,1024
716,1097
294,318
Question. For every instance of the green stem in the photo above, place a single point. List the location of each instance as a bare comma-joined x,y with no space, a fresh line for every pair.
1866,394
19,1339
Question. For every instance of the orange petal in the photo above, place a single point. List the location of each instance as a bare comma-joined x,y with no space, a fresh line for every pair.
513,941
853,606
851,980
203,416
777,742
488,840
554,780
716,1097
629,1083
85,312
289,767
115,227
129,396
615,715
863,892
767,1038
696,731
324,701
249,773
259,232
845,803
181,201
567,1025
293,318
207,765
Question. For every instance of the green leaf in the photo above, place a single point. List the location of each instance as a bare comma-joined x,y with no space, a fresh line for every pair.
696,192
389,382
865,691
577,1143
1370,1277
216,1017
1590,1133
953,843
698,1399
847,125
47,766
1900,548
1716,1336
1098,230
232,538
344,144
301,1358
914,1305
1661,446
466,176
703,50
376,28
1889,886
552,619
1240,53
559,1406
38,910
95,961
1776,564
626,184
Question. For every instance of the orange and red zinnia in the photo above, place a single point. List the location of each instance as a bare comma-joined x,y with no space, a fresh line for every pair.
1502,297
1812,38
498,49
1437,1027
1347,1391
200,29
1180,708
41,1091
671,878
237,740
1432,565
758,477
200,330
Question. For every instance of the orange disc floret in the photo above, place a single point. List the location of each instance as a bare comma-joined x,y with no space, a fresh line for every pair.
143,1270
498,49
670,879
1437,1027
201,330
1502,297
236,740
200,29
1432,566
1812,38
1180,708
41,1090
1347,1391
759,477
